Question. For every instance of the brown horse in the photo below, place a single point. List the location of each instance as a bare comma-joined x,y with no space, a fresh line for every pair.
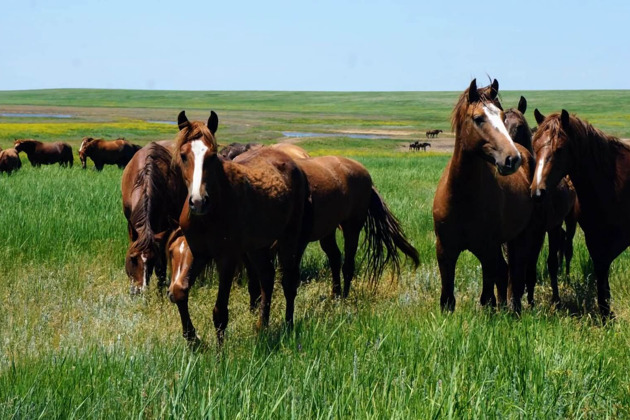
152,196
9,160
45,153
102,152
296,152
599,167
433,133
562,207
234,209
482,199
232,150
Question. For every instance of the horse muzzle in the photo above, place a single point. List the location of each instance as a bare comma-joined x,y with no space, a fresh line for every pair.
198,205
539,194
509,165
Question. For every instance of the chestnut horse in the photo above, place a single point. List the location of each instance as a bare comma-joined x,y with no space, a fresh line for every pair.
482,200
45,153
9,161
152,196
234,209
562,207
599,167
102,152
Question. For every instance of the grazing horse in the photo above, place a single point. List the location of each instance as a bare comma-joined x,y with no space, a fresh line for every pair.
414,145
561,208
433,133
102,152
482,200
423,146
296,152
234,209
45,153
234,149
599,167
152,196
9,160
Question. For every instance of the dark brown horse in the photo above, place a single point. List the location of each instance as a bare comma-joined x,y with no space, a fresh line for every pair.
562,207
234,209
45,153
102,152
152,196
482,199
599,167
433,133
232,150
9,160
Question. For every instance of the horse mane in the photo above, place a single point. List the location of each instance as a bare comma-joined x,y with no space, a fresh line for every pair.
586,138
458,116
153,184
193,130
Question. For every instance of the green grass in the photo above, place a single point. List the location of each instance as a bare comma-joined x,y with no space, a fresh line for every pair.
73,343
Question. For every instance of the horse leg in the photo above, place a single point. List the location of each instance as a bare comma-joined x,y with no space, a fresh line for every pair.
533,248
289,258
160,267
178,293
495,271
571,225
220,316
329,246
447,259
262,262
253,284
350,244
556,239
603,287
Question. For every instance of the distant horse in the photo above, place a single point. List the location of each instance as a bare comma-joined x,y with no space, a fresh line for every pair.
9,160
152,196
433,133
599,167
234,209
39,153
482,200
102,152
561,207
414,145
234,149
424,146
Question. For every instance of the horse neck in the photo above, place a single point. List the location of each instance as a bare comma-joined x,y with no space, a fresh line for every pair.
594,170
148,216
466,166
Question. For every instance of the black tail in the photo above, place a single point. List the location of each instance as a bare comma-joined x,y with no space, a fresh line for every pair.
384,238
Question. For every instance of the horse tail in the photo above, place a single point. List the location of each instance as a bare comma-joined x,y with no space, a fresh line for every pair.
153,183
384,237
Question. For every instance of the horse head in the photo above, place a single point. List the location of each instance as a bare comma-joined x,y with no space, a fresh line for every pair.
478,122
180,260
141,260
552,150
83,149
196,150
517,126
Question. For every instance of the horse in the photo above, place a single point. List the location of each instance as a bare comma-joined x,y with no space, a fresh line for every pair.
296,152
414,145
152,197
433,133
482,200
9,160
234,209
234,149
561,208
39,153
599,167
102,152
423,146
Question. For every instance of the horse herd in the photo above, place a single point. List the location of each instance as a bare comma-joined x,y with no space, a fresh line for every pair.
116,152
502,191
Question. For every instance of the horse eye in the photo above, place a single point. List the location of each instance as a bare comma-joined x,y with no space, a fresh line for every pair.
479,119
183,157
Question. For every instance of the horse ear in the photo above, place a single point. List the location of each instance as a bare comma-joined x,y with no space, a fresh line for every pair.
539,117
494,89
564,118
213,122
182,120
522,105
473,95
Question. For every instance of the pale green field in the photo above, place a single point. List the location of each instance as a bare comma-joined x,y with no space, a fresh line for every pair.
73,343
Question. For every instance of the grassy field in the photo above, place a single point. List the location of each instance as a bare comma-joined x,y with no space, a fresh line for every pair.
73,343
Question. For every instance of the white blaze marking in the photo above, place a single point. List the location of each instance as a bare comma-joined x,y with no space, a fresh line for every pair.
199,150
144,267
494,116
539,171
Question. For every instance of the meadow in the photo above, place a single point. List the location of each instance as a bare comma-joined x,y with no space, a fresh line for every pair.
74,343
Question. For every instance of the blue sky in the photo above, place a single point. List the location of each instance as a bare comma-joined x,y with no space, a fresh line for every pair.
314,45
